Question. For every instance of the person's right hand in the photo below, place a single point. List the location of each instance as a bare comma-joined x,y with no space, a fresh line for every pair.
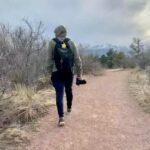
80,81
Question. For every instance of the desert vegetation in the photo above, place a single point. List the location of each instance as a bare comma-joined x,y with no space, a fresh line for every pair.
139,54
23,57
140,77
91,64
140,87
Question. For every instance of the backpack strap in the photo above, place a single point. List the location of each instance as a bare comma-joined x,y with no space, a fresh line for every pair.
58,43
56,40
66,40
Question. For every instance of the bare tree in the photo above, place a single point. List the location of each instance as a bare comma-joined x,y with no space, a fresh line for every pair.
23,53
138,52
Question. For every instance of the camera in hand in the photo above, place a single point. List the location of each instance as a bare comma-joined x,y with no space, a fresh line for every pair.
79,81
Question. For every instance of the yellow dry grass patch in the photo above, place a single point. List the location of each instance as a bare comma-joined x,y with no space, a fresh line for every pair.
14,135
19,110
140,87
30,104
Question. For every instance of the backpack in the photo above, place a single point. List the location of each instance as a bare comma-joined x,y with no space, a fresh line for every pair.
63,56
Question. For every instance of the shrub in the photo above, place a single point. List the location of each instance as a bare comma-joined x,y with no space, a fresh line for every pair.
23,105
113,59
91,64
23,54
140,56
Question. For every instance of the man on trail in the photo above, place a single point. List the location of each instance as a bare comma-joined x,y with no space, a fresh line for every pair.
63,56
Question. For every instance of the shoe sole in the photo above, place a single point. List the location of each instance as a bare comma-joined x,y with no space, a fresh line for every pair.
69,110
61,124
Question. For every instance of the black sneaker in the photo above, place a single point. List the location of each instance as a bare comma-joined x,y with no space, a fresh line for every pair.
61,122
68,110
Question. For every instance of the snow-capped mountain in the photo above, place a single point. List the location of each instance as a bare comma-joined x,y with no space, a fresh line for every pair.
104,48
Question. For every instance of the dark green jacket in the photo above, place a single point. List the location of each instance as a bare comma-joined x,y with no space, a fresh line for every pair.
77,60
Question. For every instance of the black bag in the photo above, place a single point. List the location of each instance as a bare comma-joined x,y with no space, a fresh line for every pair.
63,56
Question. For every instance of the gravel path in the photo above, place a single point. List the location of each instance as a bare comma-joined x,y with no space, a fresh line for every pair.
104,117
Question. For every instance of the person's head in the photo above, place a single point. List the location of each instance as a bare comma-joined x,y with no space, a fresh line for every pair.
60,32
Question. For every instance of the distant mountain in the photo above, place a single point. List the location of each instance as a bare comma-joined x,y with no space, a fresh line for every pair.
100,50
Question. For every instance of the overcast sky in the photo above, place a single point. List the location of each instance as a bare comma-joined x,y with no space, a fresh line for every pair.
88,21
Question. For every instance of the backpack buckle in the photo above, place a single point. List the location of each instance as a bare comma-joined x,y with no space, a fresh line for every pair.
63,45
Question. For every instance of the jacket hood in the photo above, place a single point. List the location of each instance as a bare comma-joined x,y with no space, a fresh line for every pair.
60,31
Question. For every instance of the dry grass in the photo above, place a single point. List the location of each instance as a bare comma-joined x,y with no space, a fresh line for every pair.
98,72
140,87
19,109
14,135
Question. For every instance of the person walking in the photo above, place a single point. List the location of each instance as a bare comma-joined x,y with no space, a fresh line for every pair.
63,59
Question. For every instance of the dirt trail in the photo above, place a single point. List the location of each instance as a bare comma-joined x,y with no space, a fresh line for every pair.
104,117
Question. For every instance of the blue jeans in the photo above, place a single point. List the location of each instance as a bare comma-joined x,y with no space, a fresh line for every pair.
60,83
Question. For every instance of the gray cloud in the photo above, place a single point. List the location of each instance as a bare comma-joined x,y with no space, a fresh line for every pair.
133,6
88,21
